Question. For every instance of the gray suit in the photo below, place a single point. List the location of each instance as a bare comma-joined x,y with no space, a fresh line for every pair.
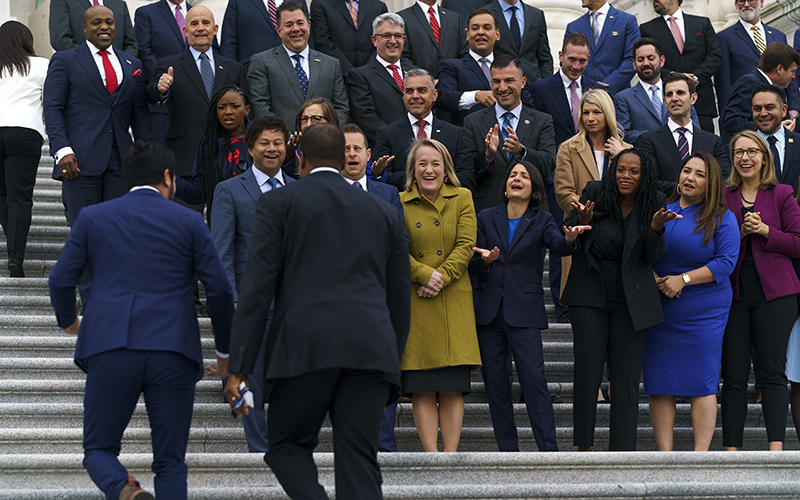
275,88
66,25
535,131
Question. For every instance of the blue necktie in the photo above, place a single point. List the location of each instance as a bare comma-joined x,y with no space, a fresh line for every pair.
773,145
206,74
358,185
658,103
301,74
515,34
683,144
504,129
273,183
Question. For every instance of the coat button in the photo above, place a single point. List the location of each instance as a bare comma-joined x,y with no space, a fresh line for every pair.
439,252
436,223
637,287
416,202
756,254
420,254
419,224
111,131
508,265
501,285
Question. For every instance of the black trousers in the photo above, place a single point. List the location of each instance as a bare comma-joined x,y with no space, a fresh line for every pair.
20,150
766,326
355,400
600,334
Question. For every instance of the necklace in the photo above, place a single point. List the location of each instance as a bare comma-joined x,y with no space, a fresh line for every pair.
746,200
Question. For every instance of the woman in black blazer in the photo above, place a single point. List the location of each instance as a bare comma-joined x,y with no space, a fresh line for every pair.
509,302
611,291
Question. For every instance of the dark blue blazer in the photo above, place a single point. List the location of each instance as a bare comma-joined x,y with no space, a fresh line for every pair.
790,168
144,252
79,112
738,113
740,57
636,114
611,59
457,76
549,97
515,278
796,47
386,192
234,210
158,34
248,30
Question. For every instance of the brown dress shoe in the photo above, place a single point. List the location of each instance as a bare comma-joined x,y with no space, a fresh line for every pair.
132,491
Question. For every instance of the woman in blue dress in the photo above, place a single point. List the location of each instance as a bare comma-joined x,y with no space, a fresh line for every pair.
682,355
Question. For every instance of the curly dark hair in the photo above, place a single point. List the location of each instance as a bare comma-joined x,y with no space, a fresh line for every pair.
646,198
210,144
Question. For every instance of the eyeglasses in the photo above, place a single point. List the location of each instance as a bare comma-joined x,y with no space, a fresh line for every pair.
751,2
752,152
388,36
314,119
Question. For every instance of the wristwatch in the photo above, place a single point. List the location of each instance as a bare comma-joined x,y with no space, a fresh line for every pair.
686,279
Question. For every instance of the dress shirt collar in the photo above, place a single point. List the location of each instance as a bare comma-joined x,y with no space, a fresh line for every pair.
303,53
674,126
196,55
414,120
136,188
262,178
678,15
602,10
567,81
172,6
386,64
94,50
362,181
425,7
780,135
506,6
91,3
499,111
478,57
325,169
749,28
647,86
765,76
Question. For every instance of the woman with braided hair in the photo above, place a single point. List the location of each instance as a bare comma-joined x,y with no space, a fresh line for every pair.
222,152
611,293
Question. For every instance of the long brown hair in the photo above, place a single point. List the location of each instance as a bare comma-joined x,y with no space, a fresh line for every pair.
713,208
16,48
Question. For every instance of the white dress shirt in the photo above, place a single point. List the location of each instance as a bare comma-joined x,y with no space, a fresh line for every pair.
196,55
303,60
748,28
467,99
689,134
601,14
182,6
386,64
567,81
22,97
415,128
780,135
262,178
362,181
425,8
678,15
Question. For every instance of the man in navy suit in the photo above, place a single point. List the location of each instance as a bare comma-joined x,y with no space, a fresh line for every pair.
769,108
92,95
671,144
394,139
464,84
641,108
611,35
232,218
742,45
250,28
434,34
777,66
159,31
524,36
375,90
140,333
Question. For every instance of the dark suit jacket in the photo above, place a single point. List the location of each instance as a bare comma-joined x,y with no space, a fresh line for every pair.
701,55
515,278
740,57
364,325
387,193
549,97
457,76
585,284
234,210
661,146
188,102
66,25
375,98
790,168
420,46
248,30
636,114
397,138
336,35
534,52
535,132
611,59
463,8
738,113
79,112
147,303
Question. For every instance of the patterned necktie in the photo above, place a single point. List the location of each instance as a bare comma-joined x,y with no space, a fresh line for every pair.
658,103
111,75
434,24
683,144
421,130
575,102
353,8
206,74
396,76
515,34
676,33
504,129
273,183
181,22
485,68
760,45
273,13
776,158
301,74
596,26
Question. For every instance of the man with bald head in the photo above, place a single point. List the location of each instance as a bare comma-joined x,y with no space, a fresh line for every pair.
66,24
186,83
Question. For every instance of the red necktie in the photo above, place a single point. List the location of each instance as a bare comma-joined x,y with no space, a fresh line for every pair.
273,11
434,24
421,131
396,76
111,75
95,2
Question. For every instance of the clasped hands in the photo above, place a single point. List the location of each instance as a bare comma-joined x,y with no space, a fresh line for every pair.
754,225
670,286
434,286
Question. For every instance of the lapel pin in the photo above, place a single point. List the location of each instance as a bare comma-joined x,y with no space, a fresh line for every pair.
127,61
221,67
611,17
438,131
527,122
316,59
791,140
614,33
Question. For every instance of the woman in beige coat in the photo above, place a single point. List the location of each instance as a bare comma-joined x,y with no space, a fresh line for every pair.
442,346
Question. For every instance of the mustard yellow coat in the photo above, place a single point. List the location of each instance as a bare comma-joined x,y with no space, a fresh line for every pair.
442,236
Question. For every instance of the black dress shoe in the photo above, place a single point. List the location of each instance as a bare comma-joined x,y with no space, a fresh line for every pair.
557,399
15,268
563,318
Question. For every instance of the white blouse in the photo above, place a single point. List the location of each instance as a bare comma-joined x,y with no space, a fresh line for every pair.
22,97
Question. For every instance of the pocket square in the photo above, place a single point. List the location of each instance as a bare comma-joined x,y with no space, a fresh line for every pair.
698,34
137,73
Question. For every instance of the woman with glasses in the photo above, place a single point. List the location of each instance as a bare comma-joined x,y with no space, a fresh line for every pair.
313,111
764,290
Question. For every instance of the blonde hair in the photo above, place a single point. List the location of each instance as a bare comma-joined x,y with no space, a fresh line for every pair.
602,100
768,178
411,163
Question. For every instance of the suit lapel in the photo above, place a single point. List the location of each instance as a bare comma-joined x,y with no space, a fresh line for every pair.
127,72
260,7
523,224
641,95
345,12
585,26
666,34
288,69
169,15
631,234
788,156
561,97
436,129
739,30
251,184
665,136
589,162
220,72
698,141
85,58
383,74
608,26
505,31
190,67
445,23
423,21
473,66
500,220
314,70
524,126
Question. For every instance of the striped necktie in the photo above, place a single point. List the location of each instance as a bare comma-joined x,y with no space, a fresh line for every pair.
207,74
760,45
353,8
683,144
658,103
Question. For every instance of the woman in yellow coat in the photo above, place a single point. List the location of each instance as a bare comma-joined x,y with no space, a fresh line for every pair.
442,346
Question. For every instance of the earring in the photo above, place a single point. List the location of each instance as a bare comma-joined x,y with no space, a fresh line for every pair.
446,180
505,193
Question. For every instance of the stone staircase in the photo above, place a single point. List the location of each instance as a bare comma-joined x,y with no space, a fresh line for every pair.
41,392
